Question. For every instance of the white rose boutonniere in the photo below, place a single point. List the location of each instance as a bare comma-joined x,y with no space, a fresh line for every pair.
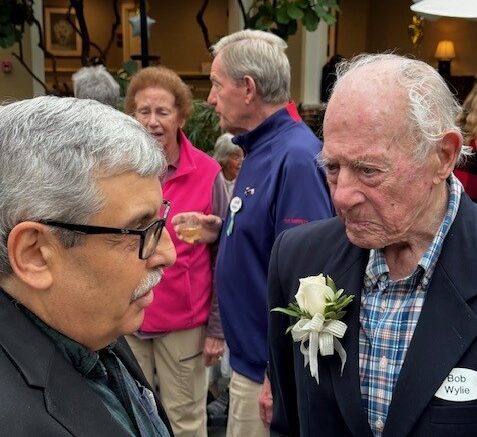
319,306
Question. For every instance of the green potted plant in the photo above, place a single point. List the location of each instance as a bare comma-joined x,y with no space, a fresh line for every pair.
203,127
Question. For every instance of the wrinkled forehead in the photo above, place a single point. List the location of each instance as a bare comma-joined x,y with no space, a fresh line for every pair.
368,101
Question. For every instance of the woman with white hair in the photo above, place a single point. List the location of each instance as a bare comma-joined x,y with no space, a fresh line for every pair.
96,83
230,157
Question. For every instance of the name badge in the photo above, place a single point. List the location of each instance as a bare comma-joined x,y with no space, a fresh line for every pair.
235,205
459,386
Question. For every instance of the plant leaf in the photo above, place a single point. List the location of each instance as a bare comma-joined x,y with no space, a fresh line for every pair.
286,311
282,16
289,329
340,315
310,21
331,283
294,11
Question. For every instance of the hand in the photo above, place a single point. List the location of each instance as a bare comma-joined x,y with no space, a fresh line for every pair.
210,226
213,350
265,402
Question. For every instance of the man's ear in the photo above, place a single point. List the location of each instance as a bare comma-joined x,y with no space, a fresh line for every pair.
31,248
448,151
250,89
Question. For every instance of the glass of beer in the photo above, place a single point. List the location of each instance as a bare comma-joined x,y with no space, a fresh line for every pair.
190,228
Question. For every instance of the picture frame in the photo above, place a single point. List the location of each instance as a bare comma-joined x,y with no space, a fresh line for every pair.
61,39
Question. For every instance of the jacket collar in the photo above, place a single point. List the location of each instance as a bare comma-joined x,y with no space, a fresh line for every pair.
348,273
272,125
68,398
186,163
445,330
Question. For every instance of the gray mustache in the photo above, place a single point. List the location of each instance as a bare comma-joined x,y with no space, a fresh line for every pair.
146,284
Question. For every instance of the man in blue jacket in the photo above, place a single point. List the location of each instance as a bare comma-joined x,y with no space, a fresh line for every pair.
279,187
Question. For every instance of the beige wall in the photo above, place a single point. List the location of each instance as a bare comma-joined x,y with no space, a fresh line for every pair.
294,53
17,84
99,16
176,36
352,26
377,25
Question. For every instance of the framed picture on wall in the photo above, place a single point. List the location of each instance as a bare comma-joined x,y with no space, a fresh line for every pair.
61,39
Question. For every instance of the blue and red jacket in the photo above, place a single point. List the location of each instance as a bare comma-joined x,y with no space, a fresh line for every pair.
280,186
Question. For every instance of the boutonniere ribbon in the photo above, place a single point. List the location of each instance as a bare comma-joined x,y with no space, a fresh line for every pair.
319,306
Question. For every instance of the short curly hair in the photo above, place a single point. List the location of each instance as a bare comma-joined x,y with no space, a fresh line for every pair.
159,77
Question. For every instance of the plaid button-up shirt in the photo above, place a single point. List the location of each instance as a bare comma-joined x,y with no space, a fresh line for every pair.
388,316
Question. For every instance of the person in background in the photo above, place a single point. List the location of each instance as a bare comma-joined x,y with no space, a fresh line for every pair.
328,76
404,246
181,333
279,186
230,157
97,84
467,120
81,246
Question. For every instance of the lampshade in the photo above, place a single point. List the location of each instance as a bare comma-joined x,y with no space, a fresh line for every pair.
434,9
445,50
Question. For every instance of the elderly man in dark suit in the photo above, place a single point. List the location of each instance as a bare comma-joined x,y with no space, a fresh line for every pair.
404,245
82,242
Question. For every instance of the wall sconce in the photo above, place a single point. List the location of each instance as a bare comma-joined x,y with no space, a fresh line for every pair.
445,53
136,25
143,22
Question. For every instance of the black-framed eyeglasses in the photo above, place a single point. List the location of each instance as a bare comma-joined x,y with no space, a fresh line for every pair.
150,235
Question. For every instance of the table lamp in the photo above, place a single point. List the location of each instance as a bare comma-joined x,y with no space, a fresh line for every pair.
445,53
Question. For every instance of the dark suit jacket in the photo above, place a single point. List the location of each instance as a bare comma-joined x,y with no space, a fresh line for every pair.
444,338
41,394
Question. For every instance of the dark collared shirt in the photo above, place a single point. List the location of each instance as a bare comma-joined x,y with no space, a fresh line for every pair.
129,403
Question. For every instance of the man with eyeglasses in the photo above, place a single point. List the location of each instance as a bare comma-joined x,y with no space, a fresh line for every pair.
82,243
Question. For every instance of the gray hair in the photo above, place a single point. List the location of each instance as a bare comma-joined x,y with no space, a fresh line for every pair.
97,84
52,152
260,55
432,108
224,148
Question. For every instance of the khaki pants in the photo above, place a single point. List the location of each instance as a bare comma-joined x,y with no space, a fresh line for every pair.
177,358
244,414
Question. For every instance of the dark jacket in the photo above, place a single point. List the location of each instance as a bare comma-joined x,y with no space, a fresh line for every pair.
444,338
41,394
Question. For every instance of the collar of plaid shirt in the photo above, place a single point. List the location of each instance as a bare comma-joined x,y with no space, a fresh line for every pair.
388,316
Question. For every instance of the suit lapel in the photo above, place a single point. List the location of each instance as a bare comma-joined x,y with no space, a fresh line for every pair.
446,328
347,386
71,401
75,405
68,398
